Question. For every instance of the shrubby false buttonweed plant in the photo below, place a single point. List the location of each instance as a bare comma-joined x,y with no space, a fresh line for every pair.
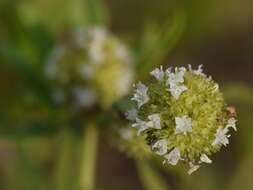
182,116
91,68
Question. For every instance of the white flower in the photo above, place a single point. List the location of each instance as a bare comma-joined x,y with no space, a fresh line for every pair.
155,121
140,96
183,125
140,126
221,137
177,90
231,123
175,81
177,77
126,133
131,114
85,97
193,168
158,73
160,147
204,158
173,157
199,71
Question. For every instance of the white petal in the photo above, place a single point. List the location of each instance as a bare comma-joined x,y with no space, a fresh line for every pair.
131,114
173,157
177,90
140,96
204,158
140,126
160,147
183,125
221,137
193,168
155,121
177,77
158,73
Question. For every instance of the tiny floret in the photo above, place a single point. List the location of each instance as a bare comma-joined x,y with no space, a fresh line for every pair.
175,81
185,117
160,147
158,73
177,90
132,114
193,168
183,124
204,158
173,157
177,77
141,96
221,137
199,71
154,121
140,126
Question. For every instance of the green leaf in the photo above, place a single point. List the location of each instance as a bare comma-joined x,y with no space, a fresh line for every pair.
156,43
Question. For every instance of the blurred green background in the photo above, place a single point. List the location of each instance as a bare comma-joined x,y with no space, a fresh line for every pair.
41,145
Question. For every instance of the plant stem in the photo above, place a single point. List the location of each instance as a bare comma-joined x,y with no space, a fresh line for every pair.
89,157
64,168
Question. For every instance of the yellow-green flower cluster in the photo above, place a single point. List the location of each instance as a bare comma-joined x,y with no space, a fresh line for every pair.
182,116
91,68
134,146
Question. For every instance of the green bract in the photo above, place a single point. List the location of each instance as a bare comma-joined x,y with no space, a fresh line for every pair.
92,67
182,115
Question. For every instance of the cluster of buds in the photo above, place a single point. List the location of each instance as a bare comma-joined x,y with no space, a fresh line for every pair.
182,116
91,68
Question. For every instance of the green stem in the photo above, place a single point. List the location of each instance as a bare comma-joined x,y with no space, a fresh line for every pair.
150,178
89,157
64,167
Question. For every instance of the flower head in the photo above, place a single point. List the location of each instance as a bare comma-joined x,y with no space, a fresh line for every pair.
183,116
93,59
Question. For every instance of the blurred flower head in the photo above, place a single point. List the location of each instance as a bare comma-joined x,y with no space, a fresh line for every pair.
93,67
182,116
126,140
